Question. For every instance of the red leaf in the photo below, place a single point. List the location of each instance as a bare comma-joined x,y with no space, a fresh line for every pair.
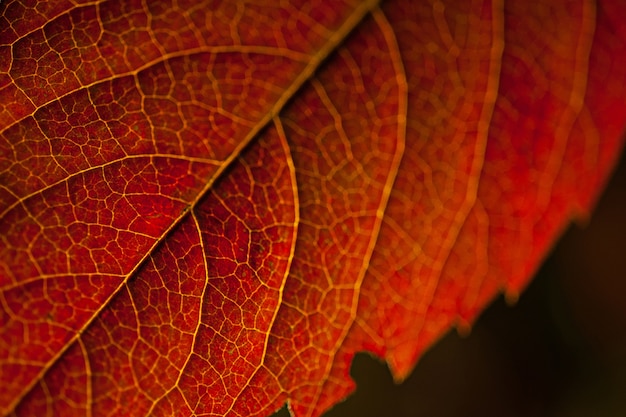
207,209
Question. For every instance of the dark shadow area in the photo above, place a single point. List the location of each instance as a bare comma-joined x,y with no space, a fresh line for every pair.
283,412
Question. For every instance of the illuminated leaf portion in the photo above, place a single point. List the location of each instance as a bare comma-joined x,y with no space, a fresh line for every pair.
207,209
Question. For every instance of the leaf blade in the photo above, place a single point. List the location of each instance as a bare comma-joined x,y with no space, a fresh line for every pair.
124,160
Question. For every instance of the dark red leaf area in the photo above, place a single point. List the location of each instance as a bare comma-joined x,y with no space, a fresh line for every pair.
208,209
108,162
166,330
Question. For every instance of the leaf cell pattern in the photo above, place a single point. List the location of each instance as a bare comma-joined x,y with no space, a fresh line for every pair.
207,208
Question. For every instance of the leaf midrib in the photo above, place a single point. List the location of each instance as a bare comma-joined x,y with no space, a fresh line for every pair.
339,36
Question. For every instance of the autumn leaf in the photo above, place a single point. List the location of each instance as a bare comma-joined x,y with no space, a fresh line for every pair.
208,208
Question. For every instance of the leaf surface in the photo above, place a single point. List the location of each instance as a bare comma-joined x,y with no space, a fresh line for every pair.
207,209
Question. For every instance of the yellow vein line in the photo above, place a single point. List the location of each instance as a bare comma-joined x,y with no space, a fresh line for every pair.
331,45
387,30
